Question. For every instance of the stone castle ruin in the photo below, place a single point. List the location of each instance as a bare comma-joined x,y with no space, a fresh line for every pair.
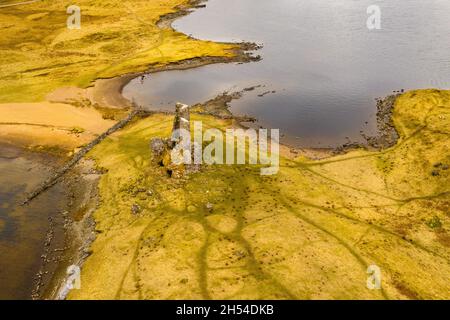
161,148
182,118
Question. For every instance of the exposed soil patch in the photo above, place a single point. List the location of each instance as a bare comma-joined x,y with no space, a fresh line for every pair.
403,289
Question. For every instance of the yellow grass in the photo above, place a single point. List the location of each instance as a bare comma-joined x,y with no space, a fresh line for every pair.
309,232
39,54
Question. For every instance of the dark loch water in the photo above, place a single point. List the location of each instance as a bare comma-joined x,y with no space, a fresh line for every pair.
320,59
23,230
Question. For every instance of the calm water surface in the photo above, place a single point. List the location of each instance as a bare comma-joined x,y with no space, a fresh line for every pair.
23,229
325,66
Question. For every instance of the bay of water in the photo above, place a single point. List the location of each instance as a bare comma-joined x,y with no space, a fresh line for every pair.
321,67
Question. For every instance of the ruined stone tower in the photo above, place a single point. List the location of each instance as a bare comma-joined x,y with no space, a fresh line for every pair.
161,148
182,118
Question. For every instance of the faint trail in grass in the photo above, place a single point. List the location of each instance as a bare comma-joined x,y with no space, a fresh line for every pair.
18,3
349,248
252,265
373,226
133,260
349,186
35,125
202,268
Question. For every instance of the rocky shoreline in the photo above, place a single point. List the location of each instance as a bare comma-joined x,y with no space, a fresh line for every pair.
75,226
386,137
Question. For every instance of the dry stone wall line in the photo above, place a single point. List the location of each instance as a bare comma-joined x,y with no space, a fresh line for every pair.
80,154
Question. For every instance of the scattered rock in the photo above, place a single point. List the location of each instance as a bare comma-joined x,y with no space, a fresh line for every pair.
387,135
192,168
264,93
158,146
135,209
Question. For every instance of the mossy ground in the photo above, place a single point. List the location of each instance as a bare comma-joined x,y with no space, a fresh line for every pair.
39,54
309,232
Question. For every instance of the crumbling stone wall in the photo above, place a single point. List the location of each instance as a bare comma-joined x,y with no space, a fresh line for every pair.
182,118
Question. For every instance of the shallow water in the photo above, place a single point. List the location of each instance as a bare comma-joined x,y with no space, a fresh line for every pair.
23,229
325,66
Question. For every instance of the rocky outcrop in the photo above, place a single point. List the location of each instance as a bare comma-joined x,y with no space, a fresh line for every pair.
387,134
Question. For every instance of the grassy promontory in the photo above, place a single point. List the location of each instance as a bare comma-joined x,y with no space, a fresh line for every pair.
45,66
39,54
309,232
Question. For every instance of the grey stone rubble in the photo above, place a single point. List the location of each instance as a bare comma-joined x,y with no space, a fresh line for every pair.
160,146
